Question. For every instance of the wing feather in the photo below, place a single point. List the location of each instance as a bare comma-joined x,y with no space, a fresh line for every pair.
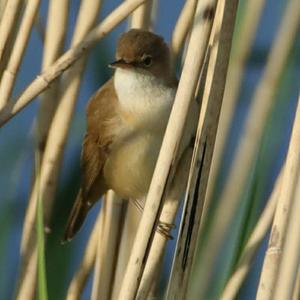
102,120
102,124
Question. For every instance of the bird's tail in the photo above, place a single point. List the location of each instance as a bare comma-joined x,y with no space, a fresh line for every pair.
76,218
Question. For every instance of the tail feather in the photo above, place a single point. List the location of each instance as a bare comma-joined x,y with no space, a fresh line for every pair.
76,218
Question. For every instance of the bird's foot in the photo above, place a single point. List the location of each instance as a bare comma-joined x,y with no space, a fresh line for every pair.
164,229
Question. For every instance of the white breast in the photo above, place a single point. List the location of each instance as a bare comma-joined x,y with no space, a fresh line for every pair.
144,96
130,165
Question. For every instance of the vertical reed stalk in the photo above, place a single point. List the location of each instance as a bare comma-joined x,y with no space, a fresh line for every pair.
2,8
131,223
296,294
10,73
238,58
141,18
107,250
101,249
182,27
80,278
53,46
259,232
10,16
27,278
288,247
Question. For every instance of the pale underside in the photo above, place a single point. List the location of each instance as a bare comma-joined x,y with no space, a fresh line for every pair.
144,106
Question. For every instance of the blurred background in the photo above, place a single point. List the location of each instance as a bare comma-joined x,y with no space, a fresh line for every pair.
17,143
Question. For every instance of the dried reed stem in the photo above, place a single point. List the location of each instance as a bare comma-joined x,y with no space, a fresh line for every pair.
7,23
65,61
256,237
131,223
296,294
182,27
286,222
101,247
10,73
107,250
220,40
2,8
141,18
27,279
240,52
163,172
53,46
251,136
9,43
79,280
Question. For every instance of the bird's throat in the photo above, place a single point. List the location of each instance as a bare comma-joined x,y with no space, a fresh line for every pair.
143,97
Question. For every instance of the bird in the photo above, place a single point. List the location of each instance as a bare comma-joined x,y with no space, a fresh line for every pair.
126,122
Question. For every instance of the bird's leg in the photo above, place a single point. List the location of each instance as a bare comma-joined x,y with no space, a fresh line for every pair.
162,227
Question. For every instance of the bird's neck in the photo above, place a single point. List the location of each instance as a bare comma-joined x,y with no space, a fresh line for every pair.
144,97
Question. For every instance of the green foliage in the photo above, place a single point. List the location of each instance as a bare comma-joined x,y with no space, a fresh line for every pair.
42,280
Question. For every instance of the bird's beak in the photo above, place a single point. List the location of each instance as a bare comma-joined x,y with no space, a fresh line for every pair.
120,63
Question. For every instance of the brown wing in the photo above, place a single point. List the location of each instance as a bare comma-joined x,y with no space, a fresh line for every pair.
92,160
102,121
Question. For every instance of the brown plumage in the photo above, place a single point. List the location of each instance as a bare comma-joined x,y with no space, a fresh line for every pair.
95,148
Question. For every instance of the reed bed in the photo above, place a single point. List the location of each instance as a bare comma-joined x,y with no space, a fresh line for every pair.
124,255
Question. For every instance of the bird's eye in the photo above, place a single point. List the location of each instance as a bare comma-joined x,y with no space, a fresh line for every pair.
147,61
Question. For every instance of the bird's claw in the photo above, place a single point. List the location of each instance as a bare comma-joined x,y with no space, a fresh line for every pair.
164,229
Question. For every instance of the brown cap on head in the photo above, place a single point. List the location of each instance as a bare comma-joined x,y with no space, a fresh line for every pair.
143,50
